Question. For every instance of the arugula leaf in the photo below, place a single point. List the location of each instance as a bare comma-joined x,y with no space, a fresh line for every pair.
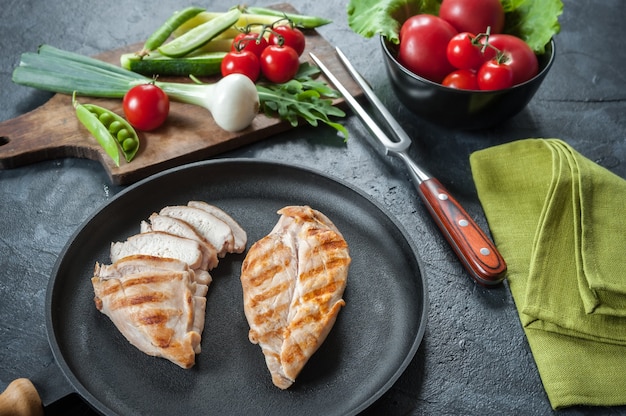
535,21
302,98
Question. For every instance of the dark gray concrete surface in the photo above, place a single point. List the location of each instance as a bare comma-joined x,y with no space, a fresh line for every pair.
474,358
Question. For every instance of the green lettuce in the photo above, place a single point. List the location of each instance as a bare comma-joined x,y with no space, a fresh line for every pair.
535,21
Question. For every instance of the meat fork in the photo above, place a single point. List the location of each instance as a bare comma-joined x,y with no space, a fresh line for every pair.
476,251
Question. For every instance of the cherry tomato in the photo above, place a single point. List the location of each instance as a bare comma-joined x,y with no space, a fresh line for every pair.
423,42
291,36
473,15
461,79
519,56
464,53
146,106
249,42
494,75
242,62
279,63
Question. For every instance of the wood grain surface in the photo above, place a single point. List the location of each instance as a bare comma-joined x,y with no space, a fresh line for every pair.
52,131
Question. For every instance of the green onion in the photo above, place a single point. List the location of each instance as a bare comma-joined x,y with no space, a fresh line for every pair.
60,71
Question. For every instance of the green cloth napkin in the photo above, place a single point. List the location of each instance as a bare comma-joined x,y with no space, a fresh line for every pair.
559,221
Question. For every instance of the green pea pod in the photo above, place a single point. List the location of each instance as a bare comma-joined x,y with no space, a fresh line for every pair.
118,128
159,36
299,20
98,130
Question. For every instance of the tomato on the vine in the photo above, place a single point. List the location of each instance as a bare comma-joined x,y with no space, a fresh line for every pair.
291,36
494,75
473,15
146,106
241,62
423,42
252,42
519,56
461,79
279,63
465,52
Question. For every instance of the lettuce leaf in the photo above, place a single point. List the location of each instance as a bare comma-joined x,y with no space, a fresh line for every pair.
384,17
535,21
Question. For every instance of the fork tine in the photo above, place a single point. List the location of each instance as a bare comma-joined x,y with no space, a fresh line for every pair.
355,105
373,98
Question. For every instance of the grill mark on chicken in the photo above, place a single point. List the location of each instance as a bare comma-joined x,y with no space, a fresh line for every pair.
271,292
139,300
156,318
264,279
293,280
271,314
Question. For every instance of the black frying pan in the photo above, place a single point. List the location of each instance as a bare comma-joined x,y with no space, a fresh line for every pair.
374,339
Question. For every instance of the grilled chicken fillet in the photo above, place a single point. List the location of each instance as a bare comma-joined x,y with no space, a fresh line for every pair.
293,282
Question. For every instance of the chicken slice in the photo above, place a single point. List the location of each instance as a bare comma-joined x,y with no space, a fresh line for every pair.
216,231
138,263
182,229
293,282
239,234
159,244
159,312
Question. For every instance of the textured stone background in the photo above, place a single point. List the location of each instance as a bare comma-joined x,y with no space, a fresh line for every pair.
474,358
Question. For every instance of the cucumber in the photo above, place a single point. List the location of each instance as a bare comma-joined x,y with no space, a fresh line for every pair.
199,35
199,64
170,25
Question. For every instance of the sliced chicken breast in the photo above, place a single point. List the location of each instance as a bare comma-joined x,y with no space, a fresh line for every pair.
159,244
239,234
155,289
139,263
181,228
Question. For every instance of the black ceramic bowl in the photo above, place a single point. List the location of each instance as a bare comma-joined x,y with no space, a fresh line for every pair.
461,109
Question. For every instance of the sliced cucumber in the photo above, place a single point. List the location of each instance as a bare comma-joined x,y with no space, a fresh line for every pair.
198,64
199,35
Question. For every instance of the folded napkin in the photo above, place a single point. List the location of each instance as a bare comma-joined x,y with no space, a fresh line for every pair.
559,220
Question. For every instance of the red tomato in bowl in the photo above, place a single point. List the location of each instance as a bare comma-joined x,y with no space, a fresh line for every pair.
519,56
473,15
494,76
461,79
463,53
423,42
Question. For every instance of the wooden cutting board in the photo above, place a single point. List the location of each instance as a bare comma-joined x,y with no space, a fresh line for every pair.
189,134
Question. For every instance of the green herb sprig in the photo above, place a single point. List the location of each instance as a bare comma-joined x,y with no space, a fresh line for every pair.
303,97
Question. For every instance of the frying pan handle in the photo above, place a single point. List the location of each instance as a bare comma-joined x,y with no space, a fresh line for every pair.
20,398
476,251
